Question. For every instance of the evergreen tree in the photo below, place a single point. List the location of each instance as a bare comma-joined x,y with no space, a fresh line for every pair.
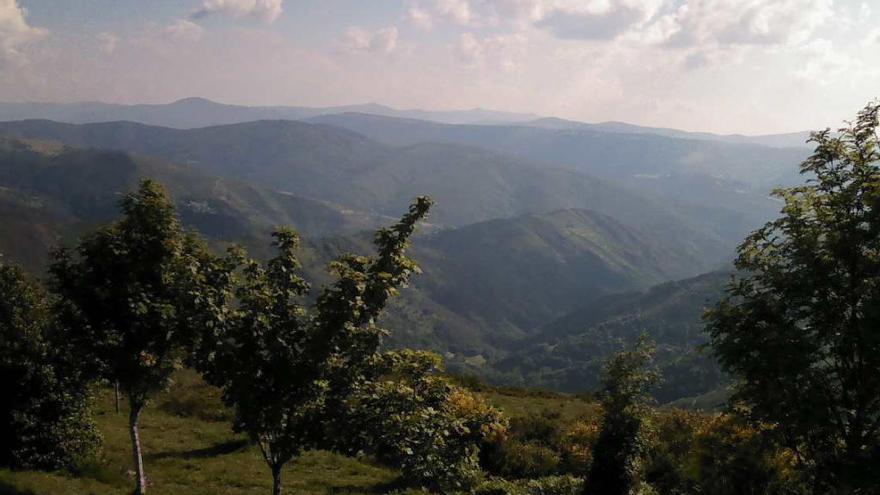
619,450
44,416
800,326
132,296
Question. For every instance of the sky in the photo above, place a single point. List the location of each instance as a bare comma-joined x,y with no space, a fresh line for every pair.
730,66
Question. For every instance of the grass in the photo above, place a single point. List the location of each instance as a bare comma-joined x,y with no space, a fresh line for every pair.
189,448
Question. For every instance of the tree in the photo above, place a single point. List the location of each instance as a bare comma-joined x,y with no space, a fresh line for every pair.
45,420
617,454
280,366
131,295
800,325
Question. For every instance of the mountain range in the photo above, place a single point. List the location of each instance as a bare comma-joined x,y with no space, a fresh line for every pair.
542,255
200,112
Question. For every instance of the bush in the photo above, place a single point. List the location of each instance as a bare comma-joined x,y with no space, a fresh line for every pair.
550,485
539,445
414,419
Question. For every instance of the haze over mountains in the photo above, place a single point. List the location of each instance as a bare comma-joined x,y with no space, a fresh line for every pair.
536,219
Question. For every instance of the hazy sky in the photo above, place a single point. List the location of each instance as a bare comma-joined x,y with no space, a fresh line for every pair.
751,66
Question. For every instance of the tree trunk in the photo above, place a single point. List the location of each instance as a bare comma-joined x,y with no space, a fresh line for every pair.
116,392
276,480
133,416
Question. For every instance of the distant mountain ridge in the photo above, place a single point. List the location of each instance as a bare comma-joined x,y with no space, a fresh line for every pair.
783,140
190,113
195,112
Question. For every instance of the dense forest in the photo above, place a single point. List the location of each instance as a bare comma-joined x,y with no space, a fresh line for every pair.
176,337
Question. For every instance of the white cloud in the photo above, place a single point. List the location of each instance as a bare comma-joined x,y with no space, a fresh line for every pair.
680,23
15,32
184,30
358,39
579,19
458,11
749,22
504,52
264,10
420,17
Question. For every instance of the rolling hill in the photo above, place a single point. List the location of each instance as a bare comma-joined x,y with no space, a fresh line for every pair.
567,354
703,180
49,191
487,287
317,161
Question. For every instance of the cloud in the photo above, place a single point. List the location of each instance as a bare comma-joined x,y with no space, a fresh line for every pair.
420,17
458,11
748,22
504,52
358,39
586,25
455,11
15,32
264,10
578,19
683,23
166,39
184,30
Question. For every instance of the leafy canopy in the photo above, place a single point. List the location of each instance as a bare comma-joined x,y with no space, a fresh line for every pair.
617,467
44,414
288,370
800,325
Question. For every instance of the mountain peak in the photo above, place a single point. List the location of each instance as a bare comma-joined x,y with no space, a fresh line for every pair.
194,100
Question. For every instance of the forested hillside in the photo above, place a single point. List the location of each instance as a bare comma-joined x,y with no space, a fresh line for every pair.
469,303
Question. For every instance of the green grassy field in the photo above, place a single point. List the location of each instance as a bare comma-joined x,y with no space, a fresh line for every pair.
190,449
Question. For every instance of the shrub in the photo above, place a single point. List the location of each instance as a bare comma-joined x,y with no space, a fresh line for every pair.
418,421
550,485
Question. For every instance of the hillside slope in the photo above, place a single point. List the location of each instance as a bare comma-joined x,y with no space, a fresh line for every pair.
316,161
48,191
568,353
722,186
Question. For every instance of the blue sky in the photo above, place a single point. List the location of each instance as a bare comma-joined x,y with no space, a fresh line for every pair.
751,66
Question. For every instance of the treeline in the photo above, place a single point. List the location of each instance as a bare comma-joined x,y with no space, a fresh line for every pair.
131,303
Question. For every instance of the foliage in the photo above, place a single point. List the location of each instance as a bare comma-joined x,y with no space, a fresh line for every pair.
798,327
542,444
286,371
617,467
45,419
550,485
409,416
133,294
732,458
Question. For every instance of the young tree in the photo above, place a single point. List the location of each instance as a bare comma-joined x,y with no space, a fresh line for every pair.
278,366
44,416
800,326
618,452
130,294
